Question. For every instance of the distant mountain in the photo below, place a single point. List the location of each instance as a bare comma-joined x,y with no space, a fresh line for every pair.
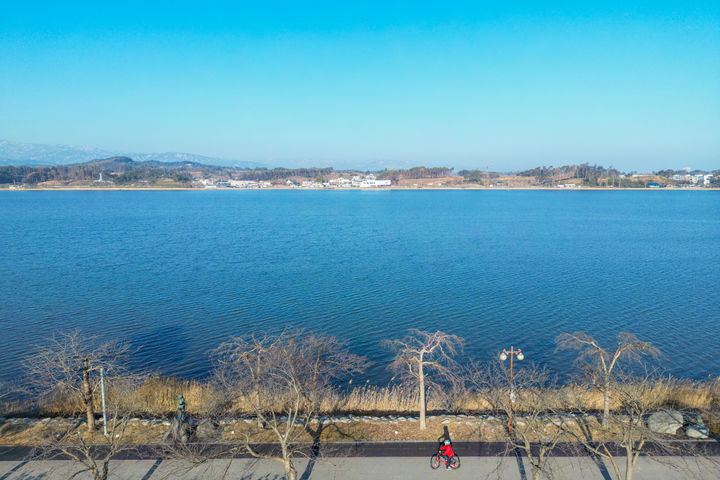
178,157
34,154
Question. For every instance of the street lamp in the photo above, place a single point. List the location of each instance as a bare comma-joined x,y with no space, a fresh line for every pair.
504,356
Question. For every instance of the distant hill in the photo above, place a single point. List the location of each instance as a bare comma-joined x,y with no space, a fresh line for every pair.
34,154
117,170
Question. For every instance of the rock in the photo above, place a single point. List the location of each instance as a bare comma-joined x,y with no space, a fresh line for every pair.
697,431
697,428
666,421
207,430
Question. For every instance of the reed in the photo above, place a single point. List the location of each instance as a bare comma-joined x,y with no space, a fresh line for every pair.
155,396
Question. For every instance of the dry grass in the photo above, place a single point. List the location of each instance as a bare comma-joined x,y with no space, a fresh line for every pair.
156,397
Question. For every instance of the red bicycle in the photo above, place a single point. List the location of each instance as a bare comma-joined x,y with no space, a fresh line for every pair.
438,458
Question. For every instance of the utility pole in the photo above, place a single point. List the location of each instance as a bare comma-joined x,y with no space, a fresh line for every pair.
102,392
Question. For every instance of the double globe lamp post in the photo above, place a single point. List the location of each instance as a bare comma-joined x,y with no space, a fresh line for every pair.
504,356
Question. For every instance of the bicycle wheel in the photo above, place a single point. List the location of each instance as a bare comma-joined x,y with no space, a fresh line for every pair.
434,461
454,462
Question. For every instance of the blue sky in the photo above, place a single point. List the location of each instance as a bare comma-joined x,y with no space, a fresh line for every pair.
508,85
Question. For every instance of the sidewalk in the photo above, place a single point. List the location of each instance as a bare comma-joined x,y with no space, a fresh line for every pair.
378,468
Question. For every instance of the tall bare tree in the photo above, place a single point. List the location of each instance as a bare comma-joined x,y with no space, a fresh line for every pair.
280,380
66,370
534,410
626,434
425,359
602,362
91,451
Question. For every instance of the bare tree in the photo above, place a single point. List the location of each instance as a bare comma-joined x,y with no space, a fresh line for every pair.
419,354
534,410
64,370
280,380
626,432
601,362
91,451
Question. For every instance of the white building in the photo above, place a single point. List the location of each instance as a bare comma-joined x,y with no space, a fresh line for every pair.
374,183
243,183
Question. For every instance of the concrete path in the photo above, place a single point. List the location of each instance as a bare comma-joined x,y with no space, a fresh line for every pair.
379,468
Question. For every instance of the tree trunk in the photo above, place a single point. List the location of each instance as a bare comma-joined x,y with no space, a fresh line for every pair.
421,381
289,467
88,399
606,403
290,471
629,460
104,472
536,473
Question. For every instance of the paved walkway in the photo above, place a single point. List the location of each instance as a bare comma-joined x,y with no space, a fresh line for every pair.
379,468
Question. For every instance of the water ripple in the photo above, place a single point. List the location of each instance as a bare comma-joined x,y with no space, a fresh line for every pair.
178,273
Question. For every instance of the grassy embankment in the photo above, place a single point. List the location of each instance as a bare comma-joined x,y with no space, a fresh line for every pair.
156,398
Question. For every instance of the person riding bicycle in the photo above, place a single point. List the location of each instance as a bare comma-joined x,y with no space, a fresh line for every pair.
447,451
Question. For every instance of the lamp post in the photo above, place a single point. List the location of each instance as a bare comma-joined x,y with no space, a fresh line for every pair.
504,356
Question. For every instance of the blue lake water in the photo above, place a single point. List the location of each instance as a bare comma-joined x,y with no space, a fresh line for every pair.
176,273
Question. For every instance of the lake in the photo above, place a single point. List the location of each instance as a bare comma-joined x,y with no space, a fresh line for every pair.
176,273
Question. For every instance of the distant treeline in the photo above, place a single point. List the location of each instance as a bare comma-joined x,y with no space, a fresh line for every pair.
124,171
588,173
594,175
415,173
477,176
119,170
266,175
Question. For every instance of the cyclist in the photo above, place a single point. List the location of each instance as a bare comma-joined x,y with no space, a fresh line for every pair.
447,451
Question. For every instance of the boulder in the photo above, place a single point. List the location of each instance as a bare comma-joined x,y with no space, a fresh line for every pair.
697,431
207,430
666,421
697,428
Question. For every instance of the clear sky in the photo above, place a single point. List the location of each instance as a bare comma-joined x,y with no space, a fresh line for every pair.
502,84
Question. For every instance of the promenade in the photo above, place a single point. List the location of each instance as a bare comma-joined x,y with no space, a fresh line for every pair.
379,468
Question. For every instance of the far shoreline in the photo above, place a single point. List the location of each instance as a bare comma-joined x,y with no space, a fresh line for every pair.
399,188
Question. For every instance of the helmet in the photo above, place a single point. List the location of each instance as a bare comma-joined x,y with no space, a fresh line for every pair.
447,442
